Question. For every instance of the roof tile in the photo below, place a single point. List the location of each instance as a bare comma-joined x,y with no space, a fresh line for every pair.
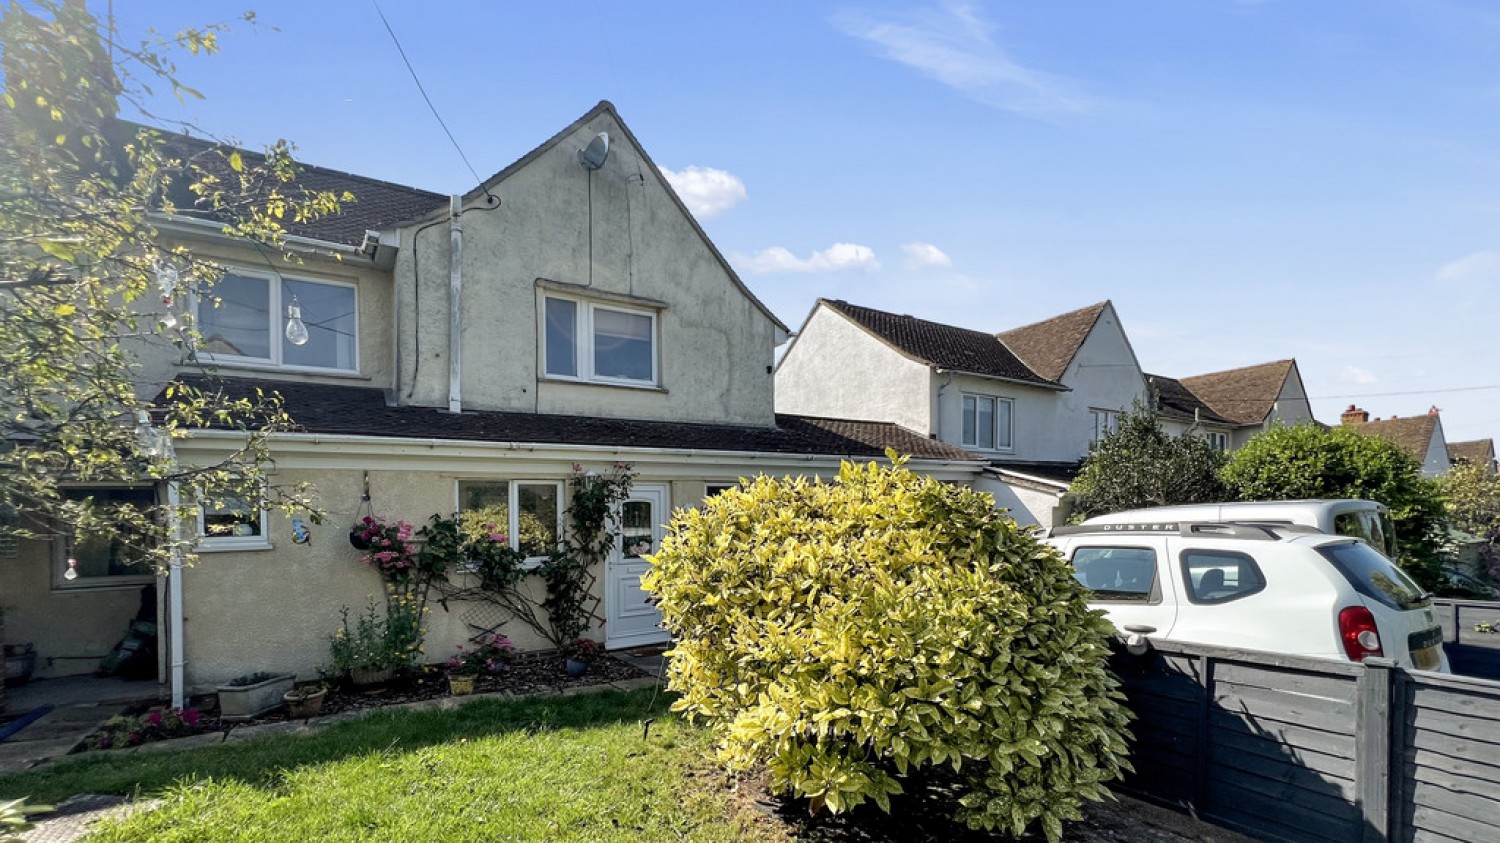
945,346
1047,347
1243,396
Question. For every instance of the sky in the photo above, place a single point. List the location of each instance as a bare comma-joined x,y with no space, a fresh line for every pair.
1246,180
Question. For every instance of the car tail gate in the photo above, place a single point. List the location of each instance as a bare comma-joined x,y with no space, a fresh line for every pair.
1406,622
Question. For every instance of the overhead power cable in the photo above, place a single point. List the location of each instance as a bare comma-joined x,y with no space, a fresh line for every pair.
423,90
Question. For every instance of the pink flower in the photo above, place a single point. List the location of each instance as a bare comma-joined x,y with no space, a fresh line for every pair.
577,468
498,537
190,716
622,465
154,718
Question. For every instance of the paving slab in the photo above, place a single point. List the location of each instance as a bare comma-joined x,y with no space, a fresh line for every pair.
75,815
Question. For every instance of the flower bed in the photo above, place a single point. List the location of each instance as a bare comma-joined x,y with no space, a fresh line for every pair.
529,673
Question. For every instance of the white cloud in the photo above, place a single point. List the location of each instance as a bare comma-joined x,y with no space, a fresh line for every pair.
920,255
1476,272
953,45
836,258
1354,374
706,191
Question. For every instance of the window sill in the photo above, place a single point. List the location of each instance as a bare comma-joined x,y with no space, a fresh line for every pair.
234,548
122,584
645,387
239,366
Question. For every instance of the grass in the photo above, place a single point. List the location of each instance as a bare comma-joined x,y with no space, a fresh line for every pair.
557,768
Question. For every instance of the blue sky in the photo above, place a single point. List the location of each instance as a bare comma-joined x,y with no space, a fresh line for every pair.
1247,181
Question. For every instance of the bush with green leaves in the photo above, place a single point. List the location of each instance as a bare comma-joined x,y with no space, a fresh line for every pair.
1312,461
885,633
14,819
1139,465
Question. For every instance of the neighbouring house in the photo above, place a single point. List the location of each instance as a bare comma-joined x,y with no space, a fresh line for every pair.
1180,412
1478,452
1252,398
1420,436
1029,401
469,351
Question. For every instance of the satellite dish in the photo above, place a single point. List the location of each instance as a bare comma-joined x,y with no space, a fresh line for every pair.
592,156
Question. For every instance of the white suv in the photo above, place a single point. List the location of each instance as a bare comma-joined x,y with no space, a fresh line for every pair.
1278,588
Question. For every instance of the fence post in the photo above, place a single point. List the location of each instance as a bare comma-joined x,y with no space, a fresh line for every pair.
1372,747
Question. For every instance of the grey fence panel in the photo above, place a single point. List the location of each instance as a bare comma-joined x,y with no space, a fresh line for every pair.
1449,751
1294,749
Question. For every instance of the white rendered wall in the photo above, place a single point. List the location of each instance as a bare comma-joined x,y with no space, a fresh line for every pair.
837,369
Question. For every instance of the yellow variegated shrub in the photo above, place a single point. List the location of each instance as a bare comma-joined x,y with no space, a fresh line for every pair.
856,635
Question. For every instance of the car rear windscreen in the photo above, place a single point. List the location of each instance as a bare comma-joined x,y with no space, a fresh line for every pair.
1375,576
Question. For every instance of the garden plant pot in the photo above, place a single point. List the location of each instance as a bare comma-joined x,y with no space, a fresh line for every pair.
246,702
365,677
303,705
20,662
461,686
576,668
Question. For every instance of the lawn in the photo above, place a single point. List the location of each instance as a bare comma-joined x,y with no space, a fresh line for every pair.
554,768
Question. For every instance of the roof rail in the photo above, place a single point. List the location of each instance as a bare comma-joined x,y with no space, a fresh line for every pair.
1189,529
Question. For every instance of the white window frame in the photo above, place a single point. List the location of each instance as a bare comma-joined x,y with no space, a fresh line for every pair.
583,344
513,509
1010,444
276,318
1218,439
60,548
1105,422
205,543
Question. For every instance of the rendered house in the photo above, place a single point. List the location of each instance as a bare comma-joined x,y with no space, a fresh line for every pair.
1029,401
1420,436
1478,451
1253,397
461,350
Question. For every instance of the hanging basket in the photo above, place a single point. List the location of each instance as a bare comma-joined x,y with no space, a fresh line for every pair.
357,538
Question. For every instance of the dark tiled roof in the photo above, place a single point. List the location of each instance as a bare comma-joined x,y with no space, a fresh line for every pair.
1047,347
1413,433
941,345
1175,401
377,204
1243,396
362,411
1479,451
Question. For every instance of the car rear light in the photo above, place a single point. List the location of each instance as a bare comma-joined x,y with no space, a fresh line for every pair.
1358,632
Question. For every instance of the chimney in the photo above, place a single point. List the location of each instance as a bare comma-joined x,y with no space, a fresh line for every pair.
1433,410
1353,416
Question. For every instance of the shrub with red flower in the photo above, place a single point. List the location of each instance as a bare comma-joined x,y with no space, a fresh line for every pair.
488,658
155,725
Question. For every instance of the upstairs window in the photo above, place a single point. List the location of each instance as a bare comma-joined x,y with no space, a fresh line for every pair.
1218,439
250,323
1105,423
987,422
596,342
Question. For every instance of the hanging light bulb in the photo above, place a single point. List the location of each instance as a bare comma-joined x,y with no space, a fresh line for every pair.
72,572
296,332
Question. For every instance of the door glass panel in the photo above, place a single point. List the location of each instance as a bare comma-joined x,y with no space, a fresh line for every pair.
638,533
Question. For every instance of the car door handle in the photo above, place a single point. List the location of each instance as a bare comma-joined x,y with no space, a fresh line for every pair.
1140,629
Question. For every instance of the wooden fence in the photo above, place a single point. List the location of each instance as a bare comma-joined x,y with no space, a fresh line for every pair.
1295,749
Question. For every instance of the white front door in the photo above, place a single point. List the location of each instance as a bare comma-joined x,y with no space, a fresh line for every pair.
630,619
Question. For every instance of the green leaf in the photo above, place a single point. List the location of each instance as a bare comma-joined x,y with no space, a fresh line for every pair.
236,162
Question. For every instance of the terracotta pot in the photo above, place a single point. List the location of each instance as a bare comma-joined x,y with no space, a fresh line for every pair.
461,686
364,678
302,706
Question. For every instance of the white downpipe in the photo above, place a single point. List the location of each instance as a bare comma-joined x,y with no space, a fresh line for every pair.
455,306
174,598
